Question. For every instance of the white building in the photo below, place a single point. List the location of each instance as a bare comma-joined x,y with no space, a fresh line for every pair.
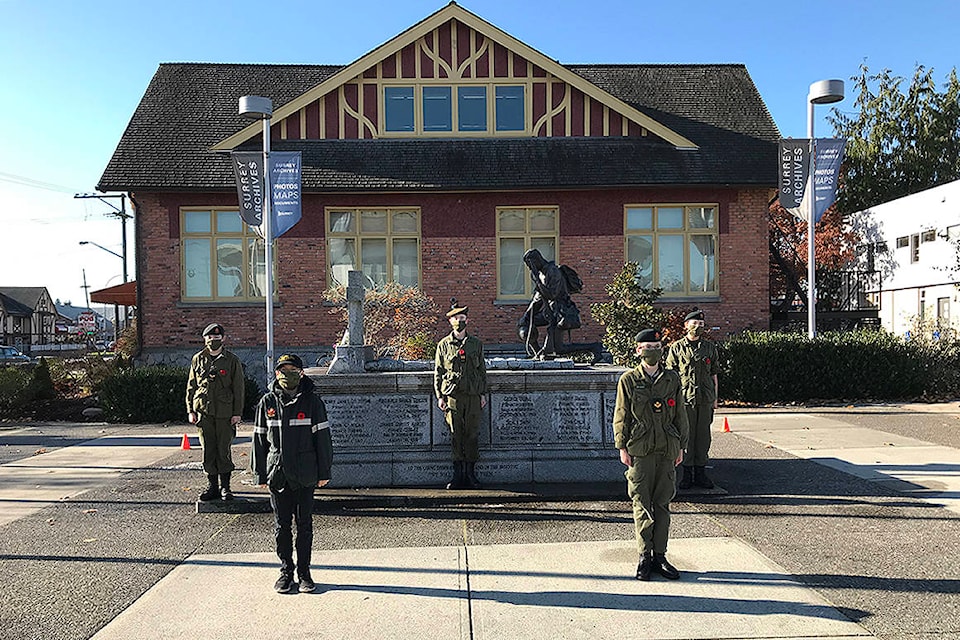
913,243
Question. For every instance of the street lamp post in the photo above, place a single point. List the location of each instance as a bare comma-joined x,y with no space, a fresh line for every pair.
260,108
821,92
116,308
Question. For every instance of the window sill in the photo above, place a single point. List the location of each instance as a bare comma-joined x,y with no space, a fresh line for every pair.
679,298
181,304
499,302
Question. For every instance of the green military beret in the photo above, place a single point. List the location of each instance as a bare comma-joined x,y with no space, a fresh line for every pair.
696,314
213,329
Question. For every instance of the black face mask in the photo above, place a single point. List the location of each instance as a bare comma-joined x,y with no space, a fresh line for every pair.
214,345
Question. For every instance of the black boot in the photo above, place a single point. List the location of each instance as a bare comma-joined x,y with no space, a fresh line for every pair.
700,478
686,477
225,493
457,482
645,566
212,491
664,568
471,476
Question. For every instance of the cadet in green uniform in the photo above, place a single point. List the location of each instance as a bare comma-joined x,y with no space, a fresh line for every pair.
215,389
650,430
695,359
460,384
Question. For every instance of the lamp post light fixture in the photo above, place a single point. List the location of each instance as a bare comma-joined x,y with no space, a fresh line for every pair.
107,250
260,108
821,92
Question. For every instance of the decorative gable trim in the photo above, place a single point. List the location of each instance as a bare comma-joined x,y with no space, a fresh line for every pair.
571,103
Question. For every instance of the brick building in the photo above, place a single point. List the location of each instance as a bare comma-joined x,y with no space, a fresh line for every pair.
436,160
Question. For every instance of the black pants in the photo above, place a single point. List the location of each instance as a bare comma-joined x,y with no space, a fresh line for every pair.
288,505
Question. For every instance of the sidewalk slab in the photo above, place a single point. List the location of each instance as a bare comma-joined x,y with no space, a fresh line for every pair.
361,594
523,591
917,468
587,590
30,484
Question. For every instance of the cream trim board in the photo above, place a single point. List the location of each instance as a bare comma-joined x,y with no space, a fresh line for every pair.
454,12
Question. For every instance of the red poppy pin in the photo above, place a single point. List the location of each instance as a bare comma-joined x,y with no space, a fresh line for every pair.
301,415
707,360
271,412
671,402
223,372
461,353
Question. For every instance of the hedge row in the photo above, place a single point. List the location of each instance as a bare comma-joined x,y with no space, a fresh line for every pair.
765,367
154,394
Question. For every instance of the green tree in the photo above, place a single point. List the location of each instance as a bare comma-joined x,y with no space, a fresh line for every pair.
899,141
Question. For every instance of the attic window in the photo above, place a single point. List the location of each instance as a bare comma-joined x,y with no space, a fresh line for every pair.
902,242
929,236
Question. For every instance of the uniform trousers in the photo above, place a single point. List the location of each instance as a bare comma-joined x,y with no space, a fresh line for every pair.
463,417
216,438
699,417
289,505
651,485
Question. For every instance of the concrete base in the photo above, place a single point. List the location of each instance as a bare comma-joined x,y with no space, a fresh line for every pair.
350,359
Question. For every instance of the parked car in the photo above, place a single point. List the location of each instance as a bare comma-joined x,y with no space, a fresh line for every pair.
12,355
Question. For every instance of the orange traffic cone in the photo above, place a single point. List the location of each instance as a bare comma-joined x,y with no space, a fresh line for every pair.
185,443
726,425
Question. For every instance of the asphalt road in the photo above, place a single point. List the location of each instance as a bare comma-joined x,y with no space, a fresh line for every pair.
888,562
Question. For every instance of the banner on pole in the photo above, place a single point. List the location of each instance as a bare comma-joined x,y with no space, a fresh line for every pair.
795,168
285,173
828,156
794,173
248,171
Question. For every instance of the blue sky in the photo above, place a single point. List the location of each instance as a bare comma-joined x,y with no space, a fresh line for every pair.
73,71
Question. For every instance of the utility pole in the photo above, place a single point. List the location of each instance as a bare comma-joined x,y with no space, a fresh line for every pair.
86,288
122,214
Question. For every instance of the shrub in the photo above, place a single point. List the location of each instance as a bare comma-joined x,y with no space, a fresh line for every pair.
154,394
631,310
13,386
41,384
767,367
393,317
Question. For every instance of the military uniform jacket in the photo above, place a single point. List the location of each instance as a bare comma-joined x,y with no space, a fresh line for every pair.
292,446
460,368
696,362
649,417
215,385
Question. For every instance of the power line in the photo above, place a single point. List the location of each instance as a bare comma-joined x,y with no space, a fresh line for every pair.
36,184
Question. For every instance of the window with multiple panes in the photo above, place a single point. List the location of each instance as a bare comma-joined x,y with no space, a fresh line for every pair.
675,247
383,243
454,109
520,229
222,258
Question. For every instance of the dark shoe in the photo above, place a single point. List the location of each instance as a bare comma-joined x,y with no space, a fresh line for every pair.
471,476
686,477
284,583
307,585
700,478
645,567
225,493
458,481
212,491
664,568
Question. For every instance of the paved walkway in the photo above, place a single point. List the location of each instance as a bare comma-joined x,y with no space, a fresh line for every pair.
517,591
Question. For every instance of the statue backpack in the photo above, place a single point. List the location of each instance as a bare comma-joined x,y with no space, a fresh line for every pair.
574,282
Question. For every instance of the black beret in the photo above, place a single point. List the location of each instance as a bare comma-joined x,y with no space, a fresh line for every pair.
212,328
694,315
648,335
289,359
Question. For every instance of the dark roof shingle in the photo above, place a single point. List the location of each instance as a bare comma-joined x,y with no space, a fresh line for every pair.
189,107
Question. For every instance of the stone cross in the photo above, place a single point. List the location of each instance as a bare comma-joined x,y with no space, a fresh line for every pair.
355,296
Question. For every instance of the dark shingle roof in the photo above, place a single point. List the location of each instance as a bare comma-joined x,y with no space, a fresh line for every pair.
189,107
25,296
13,308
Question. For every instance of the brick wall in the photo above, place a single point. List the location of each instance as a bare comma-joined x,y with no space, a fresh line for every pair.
458,257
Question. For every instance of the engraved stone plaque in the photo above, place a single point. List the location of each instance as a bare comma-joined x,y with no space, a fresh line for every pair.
384,421
547,418
441,432
609,404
